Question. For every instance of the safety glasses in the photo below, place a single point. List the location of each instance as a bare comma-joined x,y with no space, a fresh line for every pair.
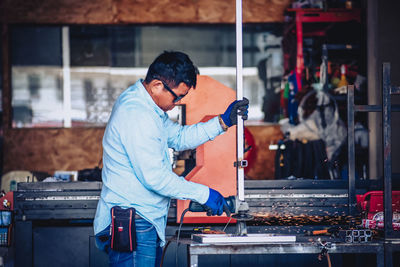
176,97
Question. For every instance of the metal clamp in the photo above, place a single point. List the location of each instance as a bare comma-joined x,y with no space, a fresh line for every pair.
324,248
241,163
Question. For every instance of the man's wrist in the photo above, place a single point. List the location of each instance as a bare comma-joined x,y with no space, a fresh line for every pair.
222,123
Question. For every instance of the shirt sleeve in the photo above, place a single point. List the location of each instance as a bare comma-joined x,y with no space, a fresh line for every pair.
145,143
191,136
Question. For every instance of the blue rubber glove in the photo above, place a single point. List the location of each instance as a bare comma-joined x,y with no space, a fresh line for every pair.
216,202
238,107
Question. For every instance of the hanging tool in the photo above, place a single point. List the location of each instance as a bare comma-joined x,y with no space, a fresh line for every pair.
325,246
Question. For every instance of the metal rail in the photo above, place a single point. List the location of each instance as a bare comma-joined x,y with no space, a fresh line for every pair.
351,150
386,108
239,96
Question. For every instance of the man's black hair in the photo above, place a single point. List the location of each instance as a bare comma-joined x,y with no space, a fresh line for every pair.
173,68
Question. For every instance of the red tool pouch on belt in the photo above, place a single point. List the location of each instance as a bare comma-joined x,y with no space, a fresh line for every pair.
123,230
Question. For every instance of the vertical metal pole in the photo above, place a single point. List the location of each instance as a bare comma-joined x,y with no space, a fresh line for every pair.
351,150
239,96
388,253
387,153
380,257
374,122
7,91
66,77
194,260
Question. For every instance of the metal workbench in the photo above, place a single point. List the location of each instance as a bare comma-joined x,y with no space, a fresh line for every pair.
197,249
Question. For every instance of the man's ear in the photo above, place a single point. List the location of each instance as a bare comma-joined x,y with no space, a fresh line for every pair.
156,87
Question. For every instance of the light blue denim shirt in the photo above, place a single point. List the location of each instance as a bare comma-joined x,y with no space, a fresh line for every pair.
137,171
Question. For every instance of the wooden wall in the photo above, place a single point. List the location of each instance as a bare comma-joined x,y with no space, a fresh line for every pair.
78,148
139,11
263,165
48,150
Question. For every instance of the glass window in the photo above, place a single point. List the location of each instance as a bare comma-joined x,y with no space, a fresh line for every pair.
71,76
37,99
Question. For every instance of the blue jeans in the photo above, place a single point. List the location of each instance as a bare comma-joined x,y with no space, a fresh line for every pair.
148,251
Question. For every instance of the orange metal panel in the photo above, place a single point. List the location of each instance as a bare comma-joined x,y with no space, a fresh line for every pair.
214,159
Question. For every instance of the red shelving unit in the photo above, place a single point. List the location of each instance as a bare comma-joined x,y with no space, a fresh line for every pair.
317,16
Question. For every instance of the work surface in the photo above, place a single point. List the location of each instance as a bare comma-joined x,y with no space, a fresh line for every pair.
283,248
302,247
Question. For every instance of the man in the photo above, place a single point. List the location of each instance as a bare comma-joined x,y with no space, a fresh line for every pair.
136,168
